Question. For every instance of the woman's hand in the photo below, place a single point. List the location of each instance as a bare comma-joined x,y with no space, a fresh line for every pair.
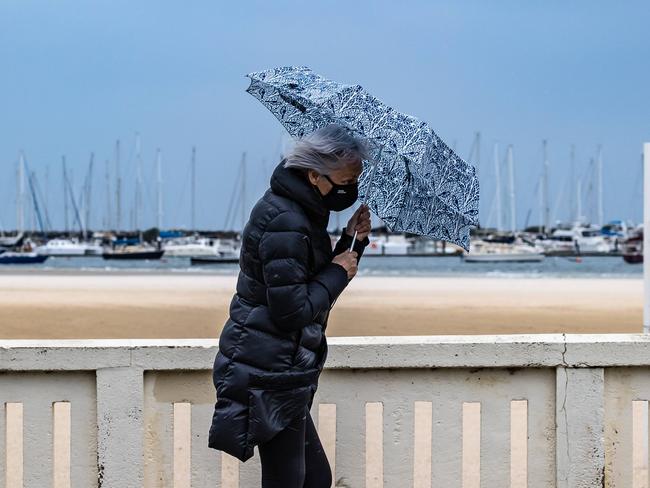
348,260
360,221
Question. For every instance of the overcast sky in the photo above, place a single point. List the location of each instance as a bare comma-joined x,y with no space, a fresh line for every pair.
77,76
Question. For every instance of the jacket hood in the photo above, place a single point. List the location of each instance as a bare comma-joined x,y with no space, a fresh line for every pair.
292,184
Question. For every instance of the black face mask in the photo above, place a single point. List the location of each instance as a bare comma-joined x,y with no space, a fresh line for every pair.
340,197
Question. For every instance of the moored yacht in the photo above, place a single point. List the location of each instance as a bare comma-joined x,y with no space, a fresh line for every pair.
496,252
134,252
69,247
577,239
199,247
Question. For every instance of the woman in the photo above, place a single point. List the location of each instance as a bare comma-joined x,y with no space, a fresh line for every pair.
272,347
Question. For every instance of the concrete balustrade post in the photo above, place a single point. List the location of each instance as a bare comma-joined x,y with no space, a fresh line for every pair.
120,427
580,427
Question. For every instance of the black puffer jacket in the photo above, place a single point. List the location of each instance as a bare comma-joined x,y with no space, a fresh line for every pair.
273,347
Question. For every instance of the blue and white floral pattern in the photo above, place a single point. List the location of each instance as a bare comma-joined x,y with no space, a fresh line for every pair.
420,186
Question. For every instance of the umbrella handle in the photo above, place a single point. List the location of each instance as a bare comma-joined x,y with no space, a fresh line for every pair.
365,197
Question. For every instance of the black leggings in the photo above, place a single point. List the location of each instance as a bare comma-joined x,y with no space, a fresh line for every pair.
294,458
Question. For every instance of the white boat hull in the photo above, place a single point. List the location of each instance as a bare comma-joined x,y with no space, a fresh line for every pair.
504,258
203,247
189,251
62,252
68,248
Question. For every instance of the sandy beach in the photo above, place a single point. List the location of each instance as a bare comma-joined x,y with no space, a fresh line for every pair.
121,305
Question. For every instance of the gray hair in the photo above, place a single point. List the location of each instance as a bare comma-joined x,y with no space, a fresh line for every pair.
326,149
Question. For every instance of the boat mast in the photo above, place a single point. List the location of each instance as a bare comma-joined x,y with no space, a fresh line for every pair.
511,178
69,186
44,215
578,200
88,189
138,183
475,155
193,219
546,208
47,186
30,202
497,175
118,188
159,189
109,210
600,186
243,190
591,201
35,210
20,195
231,215
572,176
65,195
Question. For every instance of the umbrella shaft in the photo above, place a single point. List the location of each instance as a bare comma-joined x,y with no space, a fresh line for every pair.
365,197
353,238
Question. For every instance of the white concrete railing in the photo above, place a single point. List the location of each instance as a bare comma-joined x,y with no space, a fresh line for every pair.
470,411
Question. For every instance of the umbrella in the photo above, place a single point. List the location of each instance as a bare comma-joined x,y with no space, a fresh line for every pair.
413,181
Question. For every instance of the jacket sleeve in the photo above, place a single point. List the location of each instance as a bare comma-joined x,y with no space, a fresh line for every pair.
343,244
293,299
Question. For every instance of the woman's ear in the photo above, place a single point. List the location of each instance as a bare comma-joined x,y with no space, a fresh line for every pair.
313,176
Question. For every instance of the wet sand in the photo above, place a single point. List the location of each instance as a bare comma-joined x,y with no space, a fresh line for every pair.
58,305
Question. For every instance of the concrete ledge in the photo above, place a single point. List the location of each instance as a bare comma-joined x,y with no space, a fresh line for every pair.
476,351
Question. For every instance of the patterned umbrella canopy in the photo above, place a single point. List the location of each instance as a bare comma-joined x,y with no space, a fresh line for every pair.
413,181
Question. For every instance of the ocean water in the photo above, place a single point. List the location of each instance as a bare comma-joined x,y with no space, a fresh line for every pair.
594,267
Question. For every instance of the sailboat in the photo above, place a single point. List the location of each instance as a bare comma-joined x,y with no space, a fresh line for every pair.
576,238
496,249
225,251
134,251
195,246
25,254
495,252
81,212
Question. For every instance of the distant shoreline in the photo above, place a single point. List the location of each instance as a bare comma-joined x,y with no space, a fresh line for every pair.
401,267
495,274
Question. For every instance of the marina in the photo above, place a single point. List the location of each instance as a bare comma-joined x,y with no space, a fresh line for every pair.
486,245
499,240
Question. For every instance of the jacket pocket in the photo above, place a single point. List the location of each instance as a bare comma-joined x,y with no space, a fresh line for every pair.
275,399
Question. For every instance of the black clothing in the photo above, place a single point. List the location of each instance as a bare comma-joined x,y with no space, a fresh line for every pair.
272,347
295,457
